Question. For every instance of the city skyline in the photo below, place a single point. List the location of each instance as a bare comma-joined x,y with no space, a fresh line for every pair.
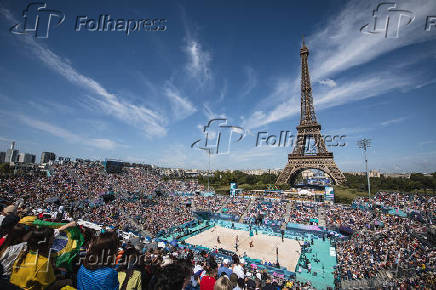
146,97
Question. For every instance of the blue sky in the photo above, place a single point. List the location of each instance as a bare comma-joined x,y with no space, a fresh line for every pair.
146,96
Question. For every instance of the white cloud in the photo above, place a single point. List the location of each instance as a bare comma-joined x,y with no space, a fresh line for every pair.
180,106
182,156
198,61
338,47
153,124
223,92
100,143
207,111
259,153
353,90
251,81
328,82
341,45
393,121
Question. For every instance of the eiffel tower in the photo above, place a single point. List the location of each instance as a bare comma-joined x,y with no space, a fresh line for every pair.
308,128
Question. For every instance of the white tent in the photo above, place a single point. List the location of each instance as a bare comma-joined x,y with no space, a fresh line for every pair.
305,192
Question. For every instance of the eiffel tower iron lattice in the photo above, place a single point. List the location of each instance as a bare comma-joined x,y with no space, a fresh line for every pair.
308,128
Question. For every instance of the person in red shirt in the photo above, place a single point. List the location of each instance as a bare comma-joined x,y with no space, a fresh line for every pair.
208,280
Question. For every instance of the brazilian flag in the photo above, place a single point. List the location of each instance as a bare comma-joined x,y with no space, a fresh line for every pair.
66,245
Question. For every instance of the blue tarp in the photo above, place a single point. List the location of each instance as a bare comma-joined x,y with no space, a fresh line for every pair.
397,212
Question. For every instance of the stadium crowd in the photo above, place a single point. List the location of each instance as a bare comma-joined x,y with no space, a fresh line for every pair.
380,240
273,210
383,241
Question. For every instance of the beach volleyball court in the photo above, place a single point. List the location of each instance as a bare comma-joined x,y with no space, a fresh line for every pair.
264,245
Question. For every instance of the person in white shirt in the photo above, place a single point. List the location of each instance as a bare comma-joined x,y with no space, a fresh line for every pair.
237,267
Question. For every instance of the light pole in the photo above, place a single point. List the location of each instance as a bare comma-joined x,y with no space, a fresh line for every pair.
364,144
208,172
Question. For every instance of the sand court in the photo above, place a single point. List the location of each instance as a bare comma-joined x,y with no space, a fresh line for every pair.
264,246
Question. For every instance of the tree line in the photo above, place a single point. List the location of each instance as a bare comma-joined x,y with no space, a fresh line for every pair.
416,182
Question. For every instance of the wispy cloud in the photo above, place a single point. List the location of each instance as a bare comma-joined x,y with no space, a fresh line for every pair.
356,89
207,111
328,82
425,83
259,153
223,92
100,143
341,45
198,61
347,131
393,121
153,124
180,106
426,143
338,47
251,81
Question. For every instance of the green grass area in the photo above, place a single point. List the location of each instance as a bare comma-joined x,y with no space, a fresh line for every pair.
346,195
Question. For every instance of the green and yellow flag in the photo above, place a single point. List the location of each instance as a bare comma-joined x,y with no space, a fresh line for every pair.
66,245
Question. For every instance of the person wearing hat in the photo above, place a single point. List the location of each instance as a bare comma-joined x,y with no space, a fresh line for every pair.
224,269
10,209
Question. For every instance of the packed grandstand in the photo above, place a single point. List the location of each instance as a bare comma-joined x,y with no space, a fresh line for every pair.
140,222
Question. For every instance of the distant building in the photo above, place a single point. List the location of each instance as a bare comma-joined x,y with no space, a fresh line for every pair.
2,156
26,158
259,171
63,160
47,157
374,173
11,154
356,173
397,175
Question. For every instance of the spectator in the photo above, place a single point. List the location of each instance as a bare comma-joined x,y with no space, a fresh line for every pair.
33,268
237,267
174,276
128,276
223,283
97,271
7,225
224,269
13,245
208,280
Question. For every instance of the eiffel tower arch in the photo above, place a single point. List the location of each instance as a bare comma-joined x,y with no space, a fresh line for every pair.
308,129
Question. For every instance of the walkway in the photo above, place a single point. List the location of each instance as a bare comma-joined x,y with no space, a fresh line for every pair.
287,215
241,220
321,217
